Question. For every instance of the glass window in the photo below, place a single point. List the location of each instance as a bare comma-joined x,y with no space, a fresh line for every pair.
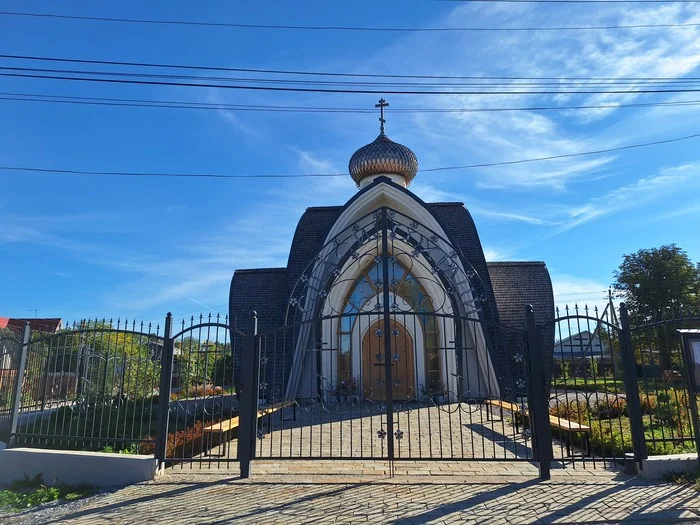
405,285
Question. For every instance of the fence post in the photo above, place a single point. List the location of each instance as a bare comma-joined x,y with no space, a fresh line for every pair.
248,404
634,407
19,379
166,378
538,404
693,390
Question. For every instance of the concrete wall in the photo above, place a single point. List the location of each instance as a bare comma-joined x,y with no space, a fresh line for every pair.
73,467
657,467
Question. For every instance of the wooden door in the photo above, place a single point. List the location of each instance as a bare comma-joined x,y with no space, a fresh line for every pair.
403,370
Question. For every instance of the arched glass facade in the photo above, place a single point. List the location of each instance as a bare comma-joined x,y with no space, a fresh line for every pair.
367,289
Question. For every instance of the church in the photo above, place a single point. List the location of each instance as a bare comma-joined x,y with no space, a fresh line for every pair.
389,298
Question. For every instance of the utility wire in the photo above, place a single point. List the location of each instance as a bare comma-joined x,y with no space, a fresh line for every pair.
309,175
343,28
172,104
340,90
428,85
321,73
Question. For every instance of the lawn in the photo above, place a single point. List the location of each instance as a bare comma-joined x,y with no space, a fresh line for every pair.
25,493
666,425
598,384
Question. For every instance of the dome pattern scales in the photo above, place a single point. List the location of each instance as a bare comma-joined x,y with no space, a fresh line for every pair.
383,157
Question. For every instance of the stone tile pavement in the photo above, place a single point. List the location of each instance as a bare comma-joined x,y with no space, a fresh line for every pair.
362,491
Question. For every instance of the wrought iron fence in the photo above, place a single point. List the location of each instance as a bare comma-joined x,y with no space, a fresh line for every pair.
92,386
615,390
621,391
203,409
588,404
669,405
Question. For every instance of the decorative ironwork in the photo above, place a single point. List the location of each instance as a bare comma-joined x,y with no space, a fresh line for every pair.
393,320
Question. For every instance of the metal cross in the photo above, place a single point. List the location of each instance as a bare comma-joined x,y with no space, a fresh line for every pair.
382,104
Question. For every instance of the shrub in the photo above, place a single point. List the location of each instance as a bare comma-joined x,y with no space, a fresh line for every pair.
181,444
648,403
571,410
609,408
198,391
665,415
131,448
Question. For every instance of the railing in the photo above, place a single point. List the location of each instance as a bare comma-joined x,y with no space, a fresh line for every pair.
665,391
588,403
615,392
92,386
99,385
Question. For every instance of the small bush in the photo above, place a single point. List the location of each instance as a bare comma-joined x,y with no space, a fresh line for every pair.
181,444
648,403
131,448
610,408
571,410
198,391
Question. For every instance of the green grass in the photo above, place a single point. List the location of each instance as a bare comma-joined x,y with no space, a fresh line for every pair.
614,386
25,493
82,430
685,478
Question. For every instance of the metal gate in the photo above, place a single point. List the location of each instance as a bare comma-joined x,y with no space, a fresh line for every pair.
389,351
593,395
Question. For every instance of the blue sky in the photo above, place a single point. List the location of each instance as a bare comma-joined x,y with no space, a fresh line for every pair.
78,246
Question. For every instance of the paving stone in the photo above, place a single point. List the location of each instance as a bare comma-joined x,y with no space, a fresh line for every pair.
307,492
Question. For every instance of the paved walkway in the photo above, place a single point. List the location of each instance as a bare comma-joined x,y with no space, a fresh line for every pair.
451,431
421,492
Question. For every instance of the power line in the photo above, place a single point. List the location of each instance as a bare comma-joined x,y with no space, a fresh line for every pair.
347,28
569,155
430,85
344,91
321,73
309,175
172,104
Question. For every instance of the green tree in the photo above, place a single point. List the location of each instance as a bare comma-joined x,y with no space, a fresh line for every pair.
105,363
659,283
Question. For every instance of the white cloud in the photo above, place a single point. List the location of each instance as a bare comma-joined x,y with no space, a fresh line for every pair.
644,191
465,138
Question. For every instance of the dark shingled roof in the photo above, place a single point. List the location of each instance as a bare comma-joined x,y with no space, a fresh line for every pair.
517,284
262,290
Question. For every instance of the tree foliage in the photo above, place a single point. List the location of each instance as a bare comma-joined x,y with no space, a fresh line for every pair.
658,283
105,363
